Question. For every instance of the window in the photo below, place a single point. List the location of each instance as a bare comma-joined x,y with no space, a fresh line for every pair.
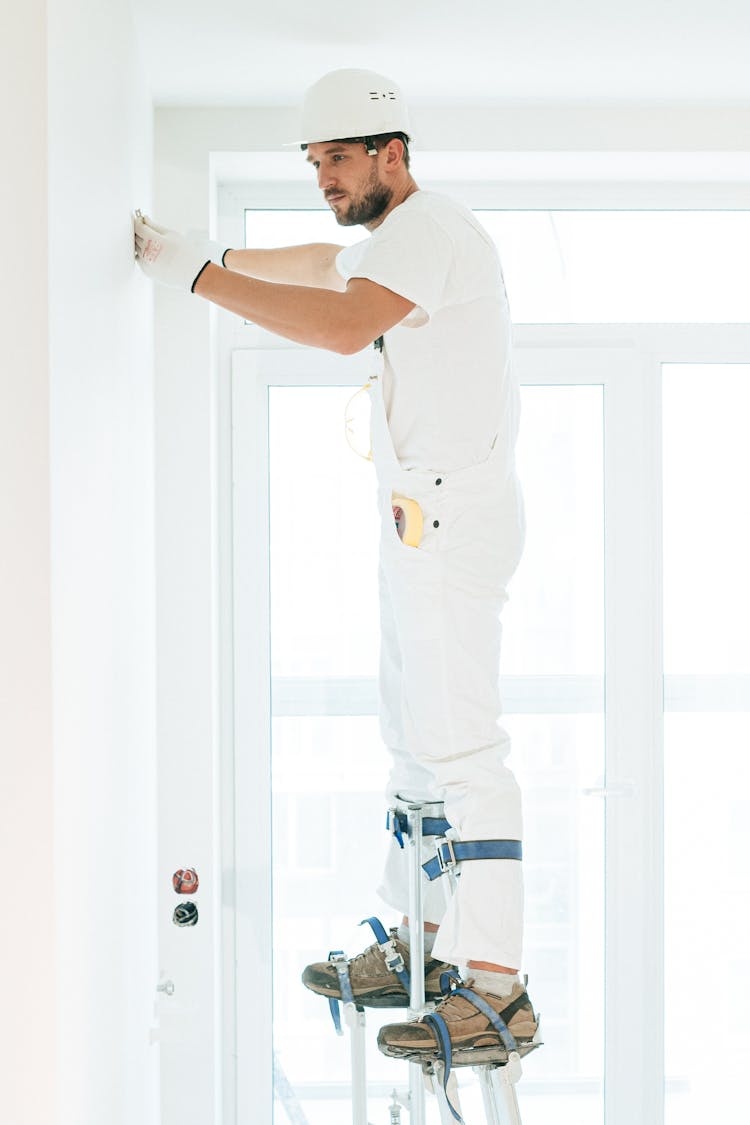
329,765
586,267
609,408
568,267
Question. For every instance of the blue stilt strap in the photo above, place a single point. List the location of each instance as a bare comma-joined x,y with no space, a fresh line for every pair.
497,1021
394,826
397,824
434,826
440,1028
451,852
393,960
447,981
347,996
333,1004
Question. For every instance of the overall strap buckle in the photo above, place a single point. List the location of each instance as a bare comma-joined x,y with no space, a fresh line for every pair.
449,853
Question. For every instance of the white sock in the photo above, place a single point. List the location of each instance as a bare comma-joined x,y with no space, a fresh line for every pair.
497,984
429,938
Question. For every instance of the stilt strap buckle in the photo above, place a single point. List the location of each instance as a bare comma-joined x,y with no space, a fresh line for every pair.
394,962
397,824
449,853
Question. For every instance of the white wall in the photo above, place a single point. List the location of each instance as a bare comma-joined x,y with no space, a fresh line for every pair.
103,654
27,981
77,712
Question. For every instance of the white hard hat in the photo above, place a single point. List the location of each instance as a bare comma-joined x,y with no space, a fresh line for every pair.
352,103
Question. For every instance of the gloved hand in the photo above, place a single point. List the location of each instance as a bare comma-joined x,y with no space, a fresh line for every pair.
168,257
214,250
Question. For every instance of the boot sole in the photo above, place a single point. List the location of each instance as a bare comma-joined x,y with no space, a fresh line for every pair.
466,1055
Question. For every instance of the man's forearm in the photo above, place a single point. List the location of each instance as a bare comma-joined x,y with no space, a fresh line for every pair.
312,265
320,318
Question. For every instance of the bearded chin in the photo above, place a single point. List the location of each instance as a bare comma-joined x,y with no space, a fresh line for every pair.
368,207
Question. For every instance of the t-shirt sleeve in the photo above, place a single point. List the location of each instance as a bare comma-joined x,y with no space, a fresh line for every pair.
411,255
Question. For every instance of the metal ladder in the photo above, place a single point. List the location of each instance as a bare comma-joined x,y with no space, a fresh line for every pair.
497,1080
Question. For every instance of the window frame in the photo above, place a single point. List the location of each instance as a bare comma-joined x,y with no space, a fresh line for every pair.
633,785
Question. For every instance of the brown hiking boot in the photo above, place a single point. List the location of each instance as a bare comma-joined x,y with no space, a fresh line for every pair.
473,1038
374,985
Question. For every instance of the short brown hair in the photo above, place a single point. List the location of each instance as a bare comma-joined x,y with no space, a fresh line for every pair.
380,140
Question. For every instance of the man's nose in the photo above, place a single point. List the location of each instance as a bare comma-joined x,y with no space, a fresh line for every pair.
326,178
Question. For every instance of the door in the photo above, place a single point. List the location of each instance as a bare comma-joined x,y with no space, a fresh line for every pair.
309,766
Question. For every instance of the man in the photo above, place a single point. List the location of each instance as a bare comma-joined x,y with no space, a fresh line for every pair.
427,287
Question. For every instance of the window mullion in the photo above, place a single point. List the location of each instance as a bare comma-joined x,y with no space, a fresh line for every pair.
634,1089
358,695
248,974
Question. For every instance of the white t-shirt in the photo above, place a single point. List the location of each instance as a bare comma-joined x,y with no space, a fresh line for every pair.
448,385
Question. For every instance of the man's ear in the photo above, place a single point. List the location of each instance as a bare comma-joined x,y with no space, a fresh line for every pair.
394,153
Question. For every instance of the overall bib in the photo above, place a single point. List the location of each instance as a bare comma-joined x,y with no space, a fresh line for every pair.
440,605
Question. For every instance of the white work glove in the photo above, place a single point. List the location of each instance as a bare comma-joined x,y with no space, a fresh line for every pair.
170,258
214,250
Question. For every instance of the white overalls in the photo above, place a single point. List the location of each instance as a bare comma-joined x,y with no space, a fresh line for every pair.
440,607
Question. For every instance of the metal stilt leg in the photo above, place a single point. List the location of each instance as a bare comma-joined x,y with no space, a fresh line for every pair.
416,955
498,1085
418,1079
497,1082
355,1021
445,1098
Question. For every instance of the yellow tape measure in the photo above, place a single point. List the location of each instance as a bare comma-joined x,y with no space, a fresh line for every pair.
409,521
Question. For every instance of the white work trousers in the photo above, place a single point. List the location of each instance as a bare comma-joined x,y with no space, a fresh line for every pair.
440,607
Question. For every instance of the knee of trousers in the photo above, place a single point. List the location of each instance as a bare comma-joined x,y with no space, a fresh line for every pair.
481,803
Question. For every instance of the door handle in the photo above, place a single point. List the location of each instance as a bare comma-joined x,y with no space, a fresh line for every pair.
613,789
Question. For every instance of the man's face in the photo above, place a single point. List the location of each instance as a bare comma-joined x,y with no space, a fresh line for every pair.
350,181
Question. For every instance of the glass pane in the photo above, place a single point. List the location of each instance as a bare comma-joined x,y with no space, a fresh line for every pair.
324,539
624,266
554,758
266,229
328,775
329,845
554,622
707,916
706,530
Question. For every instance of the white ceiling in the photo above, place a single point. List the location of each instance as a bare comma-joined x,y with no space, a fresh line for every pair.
245,53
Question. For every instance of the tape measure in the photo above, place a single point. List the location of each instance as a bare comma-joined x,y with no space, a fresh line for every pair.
409,521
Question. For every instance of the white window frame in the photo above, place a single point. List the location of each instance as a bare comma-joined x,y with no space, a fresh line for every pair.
626,360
